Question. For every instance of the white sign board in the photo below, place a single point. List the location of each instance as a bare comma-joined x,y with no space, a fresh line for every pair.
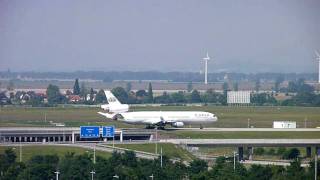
284,124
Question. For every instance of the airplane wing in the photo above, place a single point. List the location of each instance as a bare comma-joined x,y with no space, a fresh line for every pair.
153,121
108,115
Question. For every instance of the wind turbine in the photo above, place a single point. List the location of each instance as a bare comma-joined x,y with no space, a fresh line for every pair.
206,59
318,58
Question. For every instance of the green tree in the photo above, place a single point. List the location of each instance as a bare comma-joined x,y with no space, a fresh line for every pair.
6,160
76,166
178,97
10,86
189,86
259,172
197,166
257,85
128,87
224,170
40,167
225,87
53,94
84,90
76,87
101,97
13,171
195,96
150,94
91,94
259,151
235,86
277,83
295,171
129,159
291,153
164,98
121,94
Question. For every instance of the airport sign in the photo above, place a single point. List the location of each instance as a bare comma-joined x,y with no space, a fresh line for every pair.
108,131
89,131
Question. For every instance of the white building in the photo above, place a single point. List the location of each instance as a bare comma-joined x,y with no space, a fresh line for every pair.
238,97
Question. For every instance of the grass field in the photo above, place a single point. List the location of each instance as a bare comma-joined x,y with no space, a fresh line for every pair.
228,116
29,151
170,150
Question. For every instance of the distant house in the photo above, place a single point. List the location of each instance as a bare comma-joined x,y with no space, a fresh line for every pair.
89,98
3,98
74,98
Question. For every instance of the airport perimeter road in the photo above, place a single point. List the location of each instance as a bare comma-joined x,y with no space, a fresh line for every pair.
276,163
247,129
246,142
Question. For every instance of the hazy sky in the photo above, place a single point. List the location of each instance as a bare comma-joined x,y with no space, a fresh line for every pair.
167,35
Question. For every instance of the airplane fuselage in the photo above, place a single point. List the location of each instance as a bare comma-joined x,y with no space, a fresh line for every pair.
150,117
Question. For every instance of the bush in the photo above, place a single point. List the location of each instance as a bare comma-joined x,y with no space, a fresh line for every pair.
281,150
271,151
258,151
292,153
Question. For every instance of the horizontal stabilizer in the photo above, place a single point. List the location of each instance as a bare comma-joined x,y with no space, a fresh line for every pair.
108,115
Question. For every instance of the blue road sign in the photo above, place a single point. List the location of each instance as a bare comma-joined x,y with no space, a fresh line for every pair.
89,132
108,131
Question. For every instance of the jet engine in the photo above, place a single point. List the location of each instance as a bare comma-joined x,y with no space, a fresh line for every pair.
178,124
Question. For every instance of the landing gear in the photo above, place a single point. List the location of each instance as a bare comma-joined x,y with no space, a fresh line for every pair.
155,127
150,127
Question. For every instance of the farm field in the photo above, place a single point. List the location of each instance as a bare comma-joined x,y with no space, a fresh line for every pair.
237,117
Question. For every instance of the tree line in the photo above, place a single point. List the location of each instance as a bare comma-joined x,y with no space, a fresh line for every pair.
128,166
300,93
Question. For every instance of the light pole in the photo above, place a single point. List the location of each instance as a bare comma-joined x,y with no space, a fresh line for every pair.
305,122
151,177
94,154
156,150
161,157
315,165
113,141
234,160
20,152
92,173
248,122
57,175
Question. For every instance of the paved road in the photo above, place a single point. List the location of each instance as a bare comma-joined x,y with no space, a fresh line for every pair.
246,142
276,163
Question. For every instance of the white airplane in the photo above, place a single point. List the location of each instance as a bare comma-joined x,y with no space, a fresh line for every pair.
118,111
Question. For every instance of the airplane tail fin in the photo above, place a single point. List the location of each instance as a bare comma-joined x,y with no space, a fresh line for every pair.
111,98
